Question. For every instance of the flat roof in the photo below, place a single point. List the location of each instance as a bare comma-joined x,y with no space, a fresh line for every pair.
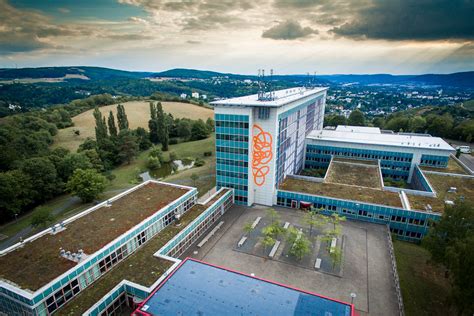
358,129
352,134
37,262
199,288
281,97
354,173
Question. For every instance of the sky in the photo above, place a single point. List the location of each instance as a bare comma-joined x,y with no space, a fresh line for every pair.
241,36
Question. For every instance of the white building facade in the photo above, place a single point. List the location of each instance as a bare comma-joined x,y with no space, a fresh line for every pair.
259,142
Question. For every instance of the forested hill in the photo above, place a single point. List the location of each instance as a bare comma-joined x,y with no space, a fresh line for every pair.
459,79
93,73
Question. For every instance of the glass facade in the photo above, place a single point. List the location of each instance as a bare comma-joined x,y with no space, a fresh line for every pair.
294,125
407,225
434,161
232,143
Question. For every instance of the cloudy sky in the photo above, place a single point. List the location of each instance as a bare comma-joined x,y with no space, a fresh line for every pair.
290,36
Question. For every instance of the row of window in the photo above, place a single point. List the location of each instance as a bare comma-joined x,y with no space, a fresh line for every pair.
232,124
232,186
63,295
241,151
229,162
231,117
235,138
116,307
359,154
401,232
184,244
431,162
241,199
232,174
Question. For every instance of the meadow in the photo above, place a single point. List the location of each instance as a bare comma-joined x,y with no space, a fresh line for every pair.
138,113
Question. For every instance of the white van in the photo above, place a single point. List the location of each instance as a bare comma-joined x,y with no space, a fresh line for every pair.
464,149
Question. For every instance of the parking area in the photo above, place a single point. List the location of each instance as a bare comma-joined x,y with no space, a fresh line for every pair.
366,261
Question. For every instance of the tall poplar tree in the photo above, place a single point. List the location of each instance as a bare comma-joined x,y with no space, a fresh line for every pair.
112,127
122,118
153,125
100,126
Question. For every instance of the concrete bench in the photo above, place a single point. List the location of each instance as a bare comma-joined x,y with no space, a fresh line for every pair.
255,223
206,239
242,241
274,249
287,225
333,245
317,264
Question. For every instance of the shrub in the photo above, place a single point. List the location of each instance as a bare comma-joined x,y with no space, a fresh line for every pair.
42,218
153,163
173,141
207,153
173,156
199,162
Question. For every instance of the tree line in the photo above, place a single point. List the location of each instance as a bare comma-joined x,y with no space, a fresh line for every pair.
446,122
32,172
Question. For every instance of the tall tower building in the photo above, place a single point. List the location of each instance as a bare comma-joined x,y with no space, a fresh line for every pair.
260,139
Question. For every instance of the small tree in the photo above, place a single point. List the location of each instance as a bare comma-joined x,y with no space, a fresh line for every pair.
267,241
336,257
153,163
274,216
86,184
194,177
156,152
314,220
301,247
248,228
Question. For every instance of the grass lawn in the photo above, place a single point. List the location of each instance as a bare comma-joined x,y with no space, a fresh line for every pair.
138,113
126,175
424,287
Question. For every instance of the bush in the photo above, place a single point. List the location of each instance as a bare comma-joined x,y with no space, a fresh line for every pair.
42,218
173,141
153,163
173,156
199,162
207,153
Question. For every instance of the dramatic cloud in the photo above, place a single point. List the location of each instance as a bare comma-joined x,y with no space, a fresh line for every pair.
288,30
412,20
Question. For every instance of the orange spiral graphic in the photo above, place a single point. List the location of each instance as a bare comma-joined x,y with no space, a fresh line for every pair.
261,154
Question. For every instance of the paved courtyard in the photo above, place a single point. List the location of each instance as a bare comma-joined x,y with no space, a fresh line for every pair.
366,269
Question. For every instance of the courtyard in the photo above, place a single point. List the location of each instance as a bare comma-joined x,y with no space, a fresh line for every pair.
364,268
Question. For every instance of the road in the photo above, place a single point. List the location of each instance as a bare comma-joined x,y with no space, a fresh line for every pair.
468,160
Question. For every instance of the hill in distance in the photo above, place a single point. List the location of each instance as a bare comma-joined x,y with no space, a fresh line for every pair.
460,79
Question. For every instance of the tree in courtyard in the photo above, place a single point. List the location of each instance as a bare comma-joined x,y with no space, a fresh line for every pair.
248,228
194,177
301,246
267,241
112,127
273,215
314,220
451,242
336,256
356,118
122,118
86,184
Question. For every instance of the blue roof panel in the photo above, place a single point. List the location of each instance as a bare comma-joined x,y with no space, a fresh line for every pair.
196,288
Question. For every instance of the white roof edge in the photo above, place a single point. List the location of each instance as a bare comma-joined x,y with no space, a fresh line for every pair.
282,97
394,140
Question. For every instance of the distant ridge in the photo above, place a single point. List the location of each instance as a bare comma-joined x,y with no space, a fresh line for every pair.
459,79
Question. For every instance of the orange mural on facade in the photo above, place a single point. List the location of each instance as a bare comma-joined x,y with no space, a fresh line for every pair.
261,154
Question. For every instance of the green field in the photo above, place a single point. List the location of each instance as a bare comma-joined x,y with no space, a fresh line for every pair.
138,113
424,287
